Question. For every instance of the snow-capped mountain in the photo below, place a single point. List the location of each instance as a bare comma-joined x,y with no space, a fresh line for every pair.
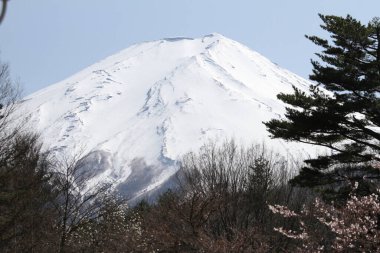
138,111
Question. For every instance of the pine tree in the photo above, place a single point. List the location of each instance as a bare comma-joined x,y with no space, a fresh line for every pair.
342,111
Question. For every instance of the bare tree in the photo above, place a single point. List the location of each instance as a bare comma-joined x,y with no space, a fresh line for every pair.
23,175
9,96
239,181
76,203
221,203
24,192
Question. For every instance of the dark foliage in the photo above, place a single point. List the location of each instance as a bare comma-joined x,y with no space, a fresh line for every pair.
343,112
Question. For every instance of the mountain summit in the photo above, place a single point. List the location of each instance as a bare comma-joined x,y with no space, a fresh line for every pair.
138,111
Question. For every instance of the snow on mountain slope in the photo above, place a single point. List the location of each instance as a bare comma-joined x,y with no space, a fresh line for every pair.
138,111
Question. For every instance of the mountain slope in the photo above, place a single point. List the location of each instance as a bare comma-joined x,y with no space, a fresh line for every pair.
138,111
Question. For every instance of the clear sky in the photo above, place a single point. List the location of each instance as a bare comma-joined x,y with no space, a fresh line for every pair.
46,41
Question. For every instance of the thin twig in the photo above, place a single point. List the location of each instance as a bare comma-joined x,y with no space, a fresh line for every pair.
3,10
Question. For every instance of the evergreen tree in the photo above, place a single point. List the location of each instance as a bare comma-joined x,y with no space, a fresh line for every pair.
341,112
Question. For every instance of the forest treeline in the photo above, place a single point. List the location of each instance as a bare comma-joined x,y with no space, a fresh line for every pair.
220,205
228,198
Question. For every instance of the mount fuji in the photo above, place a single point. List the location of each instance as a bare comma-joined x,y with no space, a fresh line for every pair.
137,112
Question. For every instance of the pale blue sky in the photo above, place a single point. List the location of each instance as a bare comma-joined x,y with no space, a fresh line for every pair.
46,41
